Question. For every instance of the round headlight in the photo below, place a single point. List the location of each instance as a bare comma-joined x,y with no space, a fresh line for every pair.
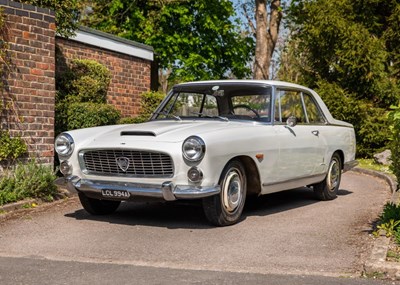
193,149
64,145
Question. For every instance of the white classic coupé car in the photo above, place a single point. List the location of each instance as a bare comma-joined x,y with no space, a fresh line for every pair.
218,141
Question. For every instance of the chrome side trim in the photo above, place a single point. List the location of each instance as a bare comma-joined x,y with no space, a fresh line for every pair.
292,183
313,177
166,191
349,165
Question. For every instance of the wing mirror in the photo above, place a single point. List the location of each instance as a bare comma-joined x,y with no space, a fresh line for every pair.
291,121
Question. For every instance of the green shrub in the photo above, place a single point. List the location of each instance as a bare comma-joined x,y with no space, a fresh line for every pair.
390,228
391,211
394,119
130,120
149,101
81,97
85,115
397,236
85,81
11,148
370,122
30,180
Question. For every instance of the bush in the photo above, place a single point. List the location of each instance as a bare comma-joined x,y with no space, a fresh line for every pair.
85,81
29,180
394,119
149,101
81,97
390,212
85,115
370,122
130,120
11,148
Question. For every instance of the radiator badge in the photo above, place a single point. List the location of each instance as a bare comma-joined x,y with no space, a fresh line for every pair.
123,163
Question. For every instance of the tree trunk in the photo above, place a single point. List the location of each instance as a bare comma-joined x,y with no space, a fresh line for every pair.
266,36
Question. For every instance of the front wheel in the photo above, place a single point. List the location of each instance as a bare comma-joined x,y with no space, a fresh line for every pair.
227,207
328,188
98,207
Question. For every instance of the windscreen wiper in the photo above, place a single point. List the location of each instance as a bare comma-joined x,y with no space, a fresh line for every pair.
168,115
209,116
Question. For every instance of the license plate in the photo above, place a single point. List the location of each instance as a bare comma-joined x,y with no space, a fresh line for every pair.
121,194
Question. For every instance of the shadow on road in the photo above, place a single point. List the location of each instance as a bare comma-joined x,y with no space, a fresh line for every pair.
189,214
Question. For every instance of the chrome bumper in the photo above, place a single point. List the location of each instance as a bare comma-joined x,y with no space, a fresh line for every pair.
166,191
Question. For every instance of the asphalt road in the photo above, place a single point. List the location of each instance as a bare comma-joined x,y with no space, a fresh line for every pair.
285,238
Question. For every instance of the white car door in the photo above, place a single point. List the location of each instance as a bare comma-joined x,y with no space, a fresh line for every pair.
301,149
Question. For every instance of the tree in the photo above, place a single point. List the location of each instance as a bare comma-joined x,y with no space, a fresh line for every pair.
348,51
67,13
193,40
265,31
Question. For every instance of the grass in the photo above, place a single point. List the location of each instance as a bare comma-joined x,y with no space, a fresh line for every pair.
369,163
393,255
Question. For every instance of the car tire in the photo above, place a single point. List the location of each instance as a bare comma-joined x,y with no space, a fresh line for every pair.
98,207
328,188
226,208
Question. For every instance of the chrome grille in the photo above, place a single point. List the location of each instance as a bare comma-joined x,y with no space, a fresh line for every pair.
141,163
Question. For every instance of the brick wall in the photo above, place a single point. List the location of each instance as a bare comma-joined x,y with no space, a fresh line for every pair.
130,75
30,83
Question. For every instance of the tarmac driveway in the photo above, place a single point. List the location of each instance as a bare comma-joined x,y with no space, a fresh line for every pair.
282,233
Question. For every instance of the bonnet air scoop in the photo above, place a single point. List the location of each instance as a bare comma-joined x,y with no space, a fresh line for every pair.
138,133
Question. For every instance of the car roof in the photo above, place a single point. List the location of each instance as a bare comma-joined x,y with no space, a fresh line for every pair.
245,82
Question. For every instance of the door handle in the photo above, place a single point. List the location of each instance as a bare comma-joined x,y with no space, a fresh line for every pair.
315,133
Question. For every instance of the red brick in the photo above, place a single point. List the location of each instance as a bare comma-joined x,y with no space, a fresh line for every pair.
36,71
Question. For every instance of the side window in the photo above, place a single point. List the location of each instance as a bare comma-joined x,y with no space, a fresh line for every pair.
287,104
313,113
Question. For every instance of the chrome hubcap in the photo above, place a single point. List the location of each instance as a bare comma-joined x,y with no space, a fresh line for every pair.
333,175
232,190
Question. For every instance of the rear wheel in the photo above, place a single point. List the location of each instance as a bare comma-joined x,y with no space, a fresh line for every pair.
98,207
227,207
328,188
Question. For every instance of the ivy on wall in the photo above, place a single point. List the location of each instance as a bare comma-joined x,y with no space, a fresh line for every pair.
11,148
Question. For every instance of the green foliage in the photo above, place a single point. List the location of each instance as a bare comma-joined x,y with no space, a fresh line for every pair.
389,228
149,101
397,238
81,97
194,39
390,212
86,115
394,119
368,120
350,46
67,13
11,148
389,220
85,81
29,180
369,163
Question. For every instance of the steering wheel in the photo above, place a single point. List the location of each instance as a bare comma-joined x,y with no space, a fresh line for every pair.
248,108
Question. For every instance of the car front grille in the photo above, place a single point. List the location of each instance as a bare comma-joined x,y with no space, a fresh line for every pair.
129,163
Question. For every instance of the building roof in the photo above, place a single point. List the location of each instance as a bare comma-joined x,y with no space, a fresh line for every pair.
113,43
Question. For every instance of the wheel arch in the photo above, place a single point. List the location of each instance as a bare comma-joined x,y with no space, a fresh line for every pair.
341,156
252,174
